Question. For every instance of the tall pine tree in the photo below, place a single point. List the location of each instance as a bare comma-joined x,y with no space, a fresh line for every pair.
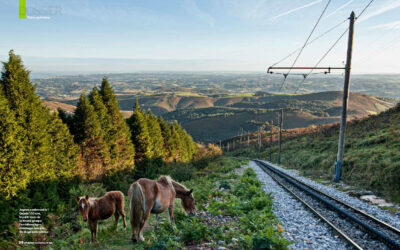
86,127
157,142
13,175
40,134
168,140
178,144
140,133
188,147
117,134
101,112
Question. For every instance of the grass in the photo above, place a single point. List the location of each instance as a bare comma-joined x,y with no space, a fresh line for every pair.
237,95
233,211
188,94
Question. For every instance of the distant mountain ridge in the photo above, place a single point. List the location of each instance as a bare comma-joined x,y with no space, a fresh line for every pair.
210,118
209,83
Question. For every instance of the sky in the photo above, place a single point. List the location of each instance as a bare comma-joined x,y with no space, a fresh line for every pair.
105,36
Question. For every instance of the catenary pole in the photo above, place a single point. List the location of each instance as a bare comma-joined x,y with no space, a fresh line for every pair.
270,141
280,137
346,91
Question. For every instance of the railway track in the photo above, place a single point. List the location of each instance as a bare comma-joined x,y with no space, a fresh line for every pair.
359,229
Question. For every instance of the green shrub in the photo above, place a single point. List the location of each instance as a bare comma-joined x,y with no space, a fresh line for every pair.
224,184
183,172
202,163
168,242
261,242
93,190
194,231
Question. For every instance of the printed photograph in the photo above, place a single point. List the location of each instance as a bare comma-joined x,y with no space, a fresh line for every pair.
199,124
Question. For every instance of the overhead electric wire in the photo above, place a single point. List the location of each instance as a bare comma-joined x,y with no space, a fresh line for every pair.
307,43
322,58
308,38
389,45
313,40
330,49
365,8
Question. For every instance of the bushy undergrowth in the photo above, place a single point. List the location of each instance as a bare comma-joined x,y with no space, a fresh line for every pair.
233,211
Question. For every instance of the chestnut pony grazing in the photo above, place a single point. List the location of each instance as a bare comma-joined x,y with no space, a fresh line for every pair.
148,196
94,209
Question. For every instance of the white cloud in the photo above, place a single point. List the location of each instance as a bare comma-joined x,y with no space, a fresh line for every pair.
341,7
389,7
194,9
387,26
296,9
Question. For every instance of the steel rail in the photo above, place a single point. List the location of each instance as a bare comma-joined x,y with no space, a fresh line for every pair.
340,232
382,223
383,237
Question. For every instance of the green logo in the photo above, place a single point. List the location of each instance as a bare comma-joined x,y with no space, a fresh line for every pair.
22,9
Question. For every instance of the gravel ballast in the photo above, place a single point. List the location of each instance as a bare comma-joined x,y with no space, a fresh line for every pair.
368,208
299,224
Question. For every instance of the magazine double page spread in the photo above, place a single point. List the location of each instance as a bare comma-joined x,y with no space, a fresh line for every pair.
199,124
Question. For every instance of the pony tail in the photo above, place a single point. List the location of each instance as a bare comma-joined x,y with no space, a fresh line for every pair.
136,207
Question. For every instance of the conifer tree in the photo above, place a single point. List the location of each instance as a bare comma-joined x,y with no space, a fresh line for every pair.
157,142
65,117
94,155
189,144
140,134
177,153
34,130
29,114
186,149
109,98
101,112
13,174
178,144
167,138
117,134
63,149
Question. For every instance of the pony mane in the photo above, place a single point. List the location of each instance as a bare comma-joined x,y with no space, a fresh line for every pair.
169,181
180,185
92,200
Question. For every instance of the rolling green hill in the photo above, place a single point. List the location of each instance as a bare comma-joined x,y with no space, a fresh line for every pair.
210,118
218,123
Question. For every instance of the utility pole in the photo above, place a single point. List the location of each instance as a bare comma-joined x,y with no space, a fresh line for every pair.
241,135
259,142
346,90
280,137
270,140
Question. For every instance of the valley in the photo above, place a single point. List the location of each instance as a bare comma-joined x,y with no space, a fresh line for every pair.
210,115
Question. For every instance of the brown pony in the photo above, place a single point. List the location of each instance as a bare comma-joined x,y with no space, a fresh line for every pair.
94,209
148,196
